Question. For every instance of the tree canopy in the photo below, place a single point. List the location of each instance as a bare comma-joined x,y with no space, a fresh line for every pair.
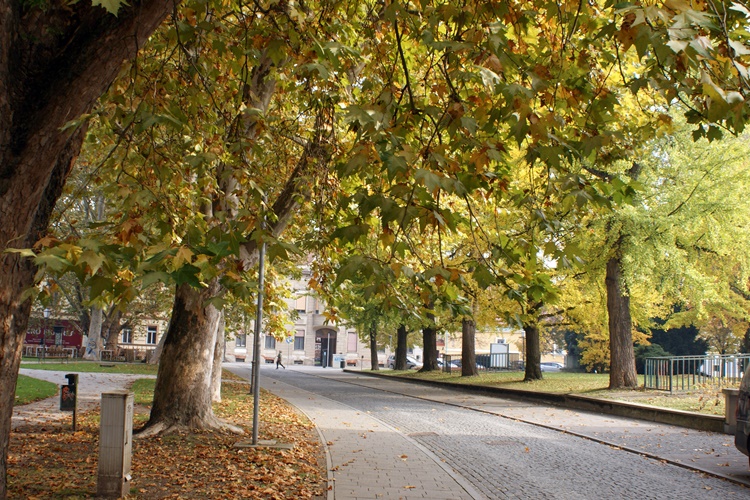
400,119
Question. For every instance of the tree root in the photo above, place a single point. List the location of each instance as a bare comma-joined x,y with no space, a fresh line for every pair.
164,427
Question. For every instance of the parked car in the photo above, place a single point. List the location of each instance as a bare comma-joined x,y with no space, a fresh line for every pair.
457,362
411,362
714,367
454,365
742,434
551,366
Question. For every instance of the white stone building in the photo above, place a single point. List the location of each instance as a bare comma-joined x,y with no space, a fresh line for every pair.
309,341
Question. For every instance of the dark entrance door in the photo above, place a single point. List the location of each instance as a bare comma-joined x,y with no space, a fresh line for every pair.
325,347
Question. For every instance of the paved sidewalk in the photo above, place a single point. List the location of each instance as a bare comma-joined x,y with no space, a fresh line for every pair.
90,389
366,457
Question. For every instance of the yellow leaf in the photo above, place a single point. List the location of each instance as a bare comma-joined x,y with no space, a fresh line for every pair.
184,256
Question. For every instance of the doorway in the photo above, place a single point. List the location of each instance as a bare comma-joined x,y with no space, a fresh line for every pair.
325,347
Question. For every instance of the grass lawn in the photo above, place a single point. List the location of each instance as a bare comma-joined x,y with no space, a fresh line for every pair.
555,382
701,400
93,366
29,389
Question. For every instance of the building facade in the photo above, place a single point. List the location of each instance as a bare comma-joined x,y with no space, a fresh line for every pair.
310,340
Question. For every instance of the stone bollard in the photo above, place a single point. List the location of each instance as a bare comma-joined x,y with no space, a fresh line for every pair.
115,444
731,397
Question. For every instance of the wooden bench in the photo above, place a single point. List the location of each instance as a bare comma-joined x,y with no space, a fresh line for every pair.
55,357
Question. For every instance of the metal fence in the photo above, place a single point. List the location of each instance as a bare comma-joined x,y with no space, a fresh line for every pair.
683,373
491,362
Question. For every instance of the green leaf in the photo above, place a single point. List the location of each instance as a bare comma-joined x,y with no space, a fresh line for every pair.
187,274
483,276
112,6
92,259
149,279
100,286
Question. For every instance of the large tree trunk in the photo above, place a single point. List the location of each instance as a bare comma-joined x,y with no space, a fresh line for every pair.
468,349
182,396
218,358
95,341
533,353
374,363
622,372
401,338
111,329
429,341
55,62
156,354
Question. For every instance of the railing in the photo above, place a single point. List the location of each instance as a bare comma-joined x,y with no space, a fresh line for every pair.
495,361
683,373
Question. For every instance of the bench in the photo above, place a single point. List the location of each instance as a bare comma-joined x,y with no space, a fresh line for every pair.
55,357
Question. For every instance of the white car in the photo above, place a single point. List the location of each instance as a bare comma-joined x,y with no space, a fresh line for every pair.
551,366
410,362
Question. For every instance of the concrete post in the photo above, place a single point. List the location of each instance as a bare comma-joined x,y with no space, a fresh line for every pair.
115,444
731,397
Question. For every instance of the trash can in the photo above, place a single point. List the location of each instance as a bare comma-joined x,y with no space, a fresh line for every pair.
343,364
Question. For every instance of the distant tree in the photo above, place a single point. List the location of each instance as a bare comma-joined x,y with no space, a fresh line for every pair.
647,351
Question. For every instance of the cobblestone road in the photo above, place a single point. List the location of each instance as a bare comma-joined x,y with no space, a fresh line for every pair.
502,458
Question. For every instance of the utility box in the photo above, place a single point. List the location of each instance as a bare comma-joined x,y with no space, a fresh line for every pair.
115,444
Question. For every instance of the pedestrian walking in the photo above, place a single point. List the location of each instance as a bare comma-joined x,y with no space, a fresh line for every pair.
278,362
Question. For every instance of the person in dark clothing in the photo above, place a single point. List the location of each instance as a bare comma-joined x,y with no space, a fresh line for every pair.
278,362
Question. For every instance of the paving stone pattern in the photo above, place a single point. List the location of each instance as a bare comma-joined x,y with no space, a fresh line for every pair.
502,458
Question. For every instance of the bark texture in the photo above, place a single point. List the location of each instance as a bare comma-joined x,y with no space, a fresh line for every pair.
533,353
96,343
54,64
374,365
429,341
468,350
219,342
401,339
622,372
182,396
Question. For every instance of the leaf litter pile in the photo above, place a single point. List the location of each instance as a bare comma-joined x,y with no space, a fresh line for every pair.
50,461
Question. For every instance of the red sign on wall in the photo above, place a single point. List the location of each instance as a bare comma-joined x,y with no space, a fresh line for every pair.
52,331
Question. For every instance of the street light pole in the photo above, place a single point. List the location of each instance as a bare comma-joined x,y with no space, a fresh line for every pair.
256,339
44,332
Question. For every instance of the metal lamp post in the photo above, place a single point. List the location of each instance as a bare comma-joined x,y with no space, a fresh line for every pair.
256,339
44,332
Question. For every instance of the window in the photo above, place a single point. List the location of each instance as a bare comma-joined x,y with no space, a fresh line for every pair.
151,335
299,340
318,306
300,304
240,340
127,336
351,342
270,342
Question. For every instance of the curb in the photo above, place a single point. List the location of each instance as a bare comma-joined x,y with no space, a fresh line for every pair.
680,418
